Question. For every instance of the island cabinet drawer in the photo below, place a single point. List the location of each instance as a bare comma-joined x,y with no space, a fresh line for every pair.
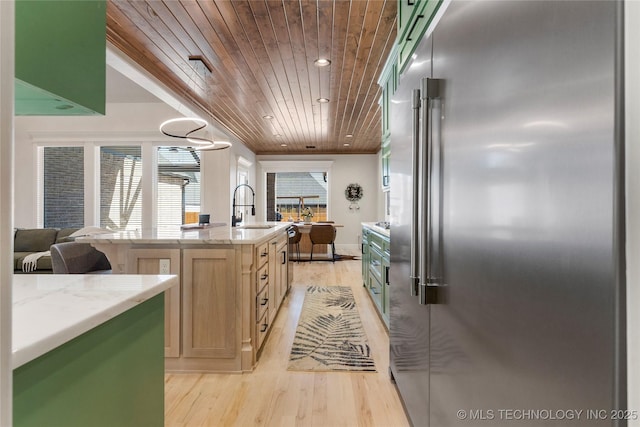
262,327
262,254
262,302
263,278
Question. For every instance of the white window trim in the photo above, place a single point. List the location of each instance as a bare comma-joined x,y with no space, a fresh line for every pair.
275,166
92,141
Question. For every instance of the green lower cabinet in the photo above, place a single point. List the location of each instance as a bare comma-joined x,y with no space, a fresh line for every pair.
385,284
365,257
375,270
113,375
376,289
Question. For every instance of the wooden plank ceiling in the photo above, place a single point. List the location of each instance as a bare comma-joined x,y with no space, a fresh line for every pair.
261,54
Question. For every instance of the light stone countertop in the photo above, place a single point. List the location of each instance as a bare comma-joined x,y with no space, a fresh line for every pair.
377,229
214,235
50,310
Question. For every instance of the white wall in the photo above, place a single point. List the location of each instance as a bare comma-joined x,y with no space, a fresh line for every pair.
362,169
632,138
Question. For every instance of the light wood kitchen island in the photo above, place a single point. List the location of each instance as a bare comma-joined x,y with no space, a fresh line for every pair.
232,282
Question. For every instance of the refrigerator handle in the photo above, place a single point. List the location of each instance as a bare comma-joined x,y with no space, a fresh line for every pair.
415,208
430,89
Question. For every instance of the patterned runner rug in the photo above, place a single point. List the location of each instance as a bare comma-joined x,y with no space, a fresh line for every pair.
329,336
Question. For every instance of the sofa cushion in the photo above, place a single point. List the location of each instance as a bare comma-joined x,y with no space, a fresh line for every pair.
64,235
44,263
34,240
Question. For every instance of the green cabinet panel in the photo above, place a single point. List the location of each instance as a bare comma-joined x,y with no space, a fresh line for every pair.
365,256
60,57
375,290
375,269
414,17
421,15
388,82
386,264
406,10
386,157
112,375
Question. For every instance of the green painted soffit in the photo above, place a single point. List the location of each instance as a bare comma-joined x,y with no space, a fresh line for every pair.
60,50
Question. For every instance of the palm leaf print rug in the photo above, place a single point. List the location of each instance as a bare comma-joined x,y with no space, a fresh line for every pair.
329,336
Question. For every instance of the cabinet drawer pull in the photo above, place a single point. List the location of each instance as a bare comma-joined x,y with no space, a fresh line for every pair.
413,27
264,276
264,254
284,257
264,327
264,301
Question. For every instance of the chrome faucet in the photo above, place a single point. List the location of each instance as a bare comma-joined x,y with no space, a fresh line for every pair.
234,219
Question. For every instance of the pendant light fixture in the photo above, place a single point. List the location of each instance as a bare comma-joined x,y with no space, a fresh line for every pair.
215,145
187,127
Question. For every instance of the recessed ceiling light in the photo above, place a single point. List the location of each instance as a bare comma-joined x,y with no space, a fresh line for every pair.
346,144
322,62
267,117
283,145
322,100
349,135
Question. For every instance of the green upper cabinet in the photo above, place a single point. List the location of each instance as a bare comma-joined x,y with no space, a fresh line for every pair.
60,57
414,17
388,82
406,10
385,157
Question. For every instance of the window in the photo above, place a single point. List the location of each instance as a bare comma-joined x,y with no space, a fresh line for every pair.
63,186
102,184
178,186
121,187
290,193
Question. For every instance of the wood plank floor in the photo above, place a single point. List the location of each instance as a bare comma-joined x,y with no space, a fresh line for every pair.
273,396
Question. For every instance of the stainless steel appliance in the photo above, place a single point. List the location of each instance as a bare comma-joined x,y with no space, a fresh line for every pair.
507,302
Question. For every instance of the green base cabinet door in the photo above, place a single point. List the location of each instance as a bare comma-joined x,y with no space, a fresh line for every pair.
113,375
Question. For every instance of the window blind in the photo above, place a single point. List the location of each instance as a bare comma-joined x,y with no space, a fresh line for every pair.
121,187
63,187
178,189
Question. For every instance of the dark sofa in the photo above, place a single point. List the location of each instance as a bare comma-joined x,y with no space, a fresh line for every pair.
34,240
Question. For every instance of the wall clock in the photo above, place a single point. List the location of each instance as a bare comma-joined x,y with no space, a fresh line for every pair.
353,193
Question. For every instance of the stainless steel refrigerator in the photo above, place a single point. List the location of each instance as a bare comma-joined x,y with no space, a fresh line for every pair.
506,279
